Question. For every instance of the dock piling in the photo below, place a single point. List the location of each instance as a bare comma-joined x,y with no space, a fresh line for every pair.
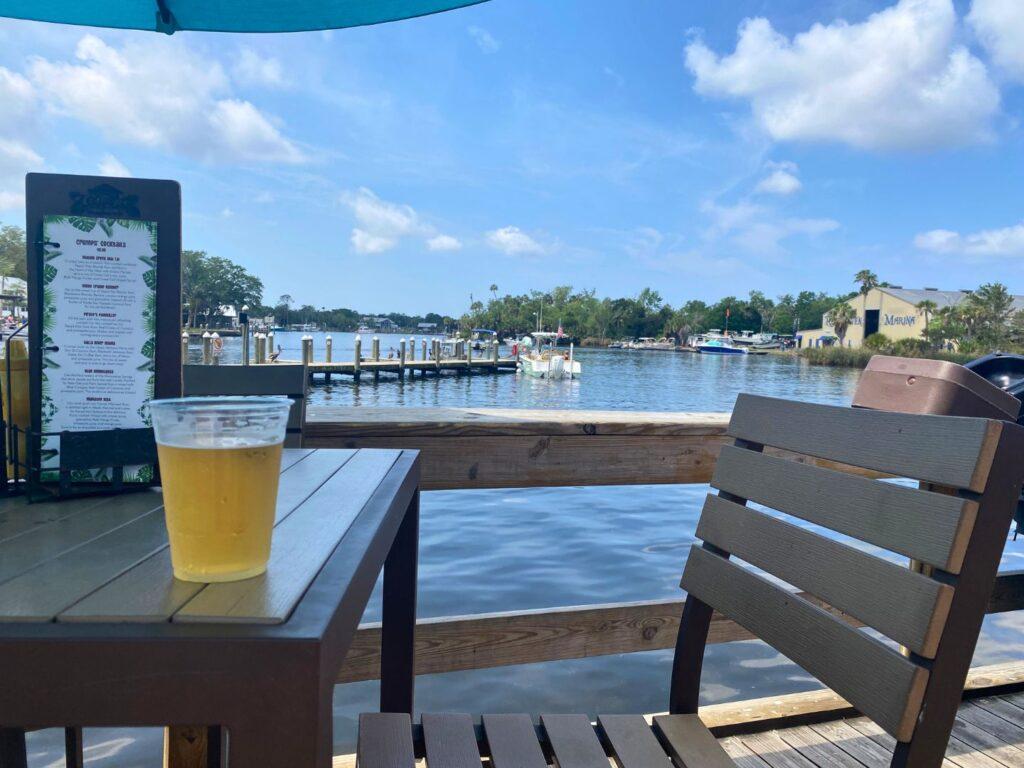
358,358
184,347
376,357
268,345
496,352
328,343
207,349
307,350
401,360
261,348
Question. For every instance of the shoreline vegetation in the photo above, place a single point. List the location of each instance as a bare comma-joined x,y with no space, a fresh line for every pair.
984,322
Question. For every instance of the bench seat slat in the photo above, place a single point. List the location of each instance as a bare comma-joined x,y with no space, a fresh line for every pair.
385,741
874,678
633,744
926,526
945,450
906,606
450,741
574,742
689,743
512,741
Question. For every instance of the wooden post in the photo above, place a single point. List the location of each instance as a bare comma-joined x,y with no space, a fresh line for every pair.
207,349
329,343
469,355
269,346
496,353
216,347
401,359
261,349
376,349
437,355
184,347
412,348
245,339
328,354
307,350
358,357
425,349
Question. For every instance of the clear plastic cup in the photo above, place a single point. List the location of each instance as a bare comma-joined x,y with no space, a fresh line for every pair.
220,458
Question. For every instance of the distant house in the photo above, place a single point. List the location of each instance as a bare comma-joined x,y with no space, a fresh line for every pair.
426,327
382,324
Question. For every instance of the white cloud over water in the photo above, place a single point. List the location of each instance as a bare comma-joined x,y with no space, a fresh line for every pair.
999,242
382,224
897,80
160,95
512,241
999,26
782,180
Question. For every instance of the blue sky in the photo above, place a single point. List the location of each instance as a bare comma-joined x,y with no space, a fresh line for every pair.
699,148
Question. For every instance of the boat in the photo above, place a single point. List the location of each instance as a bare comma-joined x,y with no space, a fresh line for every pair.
720,346
539,358
364,329
483,337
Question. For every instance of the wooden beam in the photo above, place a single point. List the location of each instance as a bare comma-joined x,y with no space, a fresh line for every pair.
509,448
449,644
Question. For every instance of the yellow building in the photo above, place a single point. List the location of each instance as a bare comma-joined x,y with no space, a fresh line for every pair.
891,311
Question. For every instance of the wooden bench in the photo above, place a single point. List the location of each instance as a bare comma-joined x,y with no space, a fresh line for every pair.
277,379
936,616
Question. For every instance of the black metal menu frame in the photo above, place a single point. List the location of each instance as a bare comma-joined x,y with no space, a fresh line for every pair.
97,196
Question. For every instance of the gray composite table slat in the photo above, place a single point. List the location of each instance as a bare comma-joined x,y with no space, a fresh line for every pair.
450,741
27,551
149,592
17,516
302,543
574,742
513,742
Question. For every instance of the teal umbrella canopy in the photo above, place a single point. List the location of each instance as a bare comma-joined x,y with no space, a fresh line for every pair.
225,15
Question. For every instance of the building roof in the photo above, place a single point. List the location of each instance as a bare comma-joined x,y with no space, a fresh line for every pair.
941,298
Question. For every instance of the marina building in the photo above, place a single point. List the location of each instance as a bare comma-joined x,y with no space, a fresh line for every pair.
889,310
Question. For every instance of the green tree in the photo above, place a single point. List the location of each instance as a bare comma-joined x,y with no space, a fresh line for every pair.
211,282
840,317
12,252
928,307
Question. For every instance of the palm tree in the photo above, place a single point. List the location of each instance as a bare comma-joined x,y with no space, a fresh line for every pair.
494,290
287,300
840,317
928,307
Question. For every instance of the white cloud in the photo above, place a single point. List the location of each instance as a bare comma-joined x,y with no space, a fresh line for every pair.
1005,241
17,105
895,80
252,69
512,241
444,243
111,166
484,40
161,94
760,230
16,159
226,213
781,181
264,197
382,224
999,25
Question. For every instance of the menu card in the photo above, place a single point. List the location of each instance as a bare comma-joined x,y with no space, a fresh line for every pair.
99,332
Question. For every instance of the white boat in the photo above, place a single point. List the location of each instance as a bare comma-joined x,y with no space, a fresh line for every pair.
720,346
540,359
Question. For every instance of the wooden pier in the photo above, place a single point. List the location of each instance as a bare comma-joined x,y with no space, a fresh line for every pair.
323,371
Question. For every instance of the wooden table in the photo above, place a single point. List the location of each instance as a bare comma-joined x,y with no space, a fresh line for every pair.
95,631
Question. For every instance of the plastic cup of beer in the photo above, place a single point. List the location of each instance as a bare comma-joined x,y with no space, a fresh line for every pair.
220,458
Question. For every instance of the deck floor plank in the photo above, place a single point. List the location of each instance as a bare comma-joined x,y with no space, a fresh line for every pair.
817,748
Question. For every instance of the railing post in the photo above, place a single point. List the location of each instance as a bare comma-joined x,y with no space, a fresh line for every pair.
358,358
401,359
207,349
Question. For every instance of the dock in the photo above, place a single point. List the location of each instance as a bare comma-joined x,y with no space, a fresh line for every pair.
322,371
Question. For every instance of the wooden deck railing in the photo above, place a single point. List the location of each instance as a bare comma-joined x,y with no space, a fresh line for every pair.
501,448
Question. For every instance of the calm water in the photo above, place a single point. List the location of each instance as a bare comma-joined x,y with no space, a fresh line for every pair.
504,550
